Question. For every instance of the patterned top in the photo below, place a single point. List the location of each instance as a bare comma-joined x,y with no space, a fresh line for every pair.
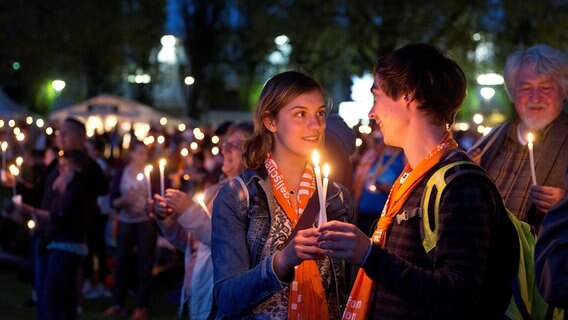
276,307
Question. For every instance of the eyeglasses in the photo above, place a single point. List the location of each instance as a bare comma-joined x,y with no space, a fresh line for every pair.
232,146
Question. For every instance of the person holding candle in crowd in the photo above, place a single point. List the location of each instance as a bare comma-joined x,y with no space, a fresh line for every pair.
255,214
417,92
186,223
536,80
68,246
70,136
135,230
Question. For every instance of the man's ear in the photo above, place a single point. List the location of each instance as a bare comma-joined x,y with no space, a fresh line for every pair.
269,123
409,97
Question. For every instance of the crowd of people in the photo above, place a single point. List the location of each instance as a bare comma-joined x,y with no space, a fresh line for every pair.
263,238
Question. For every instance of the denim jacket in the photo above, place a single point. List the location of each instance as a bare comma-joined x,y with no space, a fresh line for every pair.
242,279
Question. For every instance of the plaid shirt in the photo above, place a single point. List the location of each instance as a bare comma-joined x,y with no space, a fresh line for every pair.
507,161
512,172
464,277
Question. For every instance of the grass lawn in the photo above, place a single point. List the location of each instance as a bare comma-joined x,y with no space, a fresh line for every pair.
163,301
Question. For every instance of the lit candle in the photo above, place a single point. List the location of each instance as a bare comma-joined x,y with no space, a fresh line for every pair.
4,146
147,171
323,214
200,197
19,161
162,165
15,172
315,160
531,156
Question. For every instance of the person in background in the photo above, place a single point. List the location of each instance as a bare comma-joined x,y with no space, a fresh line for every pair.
186,223
536,80
375,174
68,236
137,234
339,146
284,273
70,136
93,287
417,92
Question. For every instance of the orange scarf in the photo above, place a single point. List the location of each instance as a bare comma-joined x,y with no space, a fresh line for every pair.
307,298
358,305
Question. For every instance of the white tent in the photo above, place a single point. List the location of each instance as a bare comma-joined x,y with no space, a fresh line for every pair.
110,106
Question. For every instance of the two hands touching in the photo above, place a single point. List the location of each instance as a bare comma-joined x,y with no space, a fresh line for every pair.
334,239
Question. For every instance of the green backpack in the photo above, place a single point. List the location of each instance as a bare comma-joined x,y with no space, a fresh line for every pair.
526,302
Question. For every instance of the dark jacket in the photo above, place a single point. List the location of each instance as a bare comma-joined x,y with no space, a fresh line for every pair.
551,256
468,273
72,212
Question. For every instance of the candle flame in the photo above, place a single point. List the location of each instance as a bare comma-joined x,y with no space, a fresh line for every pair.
14,170
31,224
326,170
530,137
4,145
315,157
162,163
200,197
148,169
139,177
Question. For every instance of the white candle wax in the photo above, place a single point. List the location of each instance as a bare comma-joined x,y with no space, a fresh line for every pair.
319,183
531,157
15,172
200,197
162,165
4,146
323,212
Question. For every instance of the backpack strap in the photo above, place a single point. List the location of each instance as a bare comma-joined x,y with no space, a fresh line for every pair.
526,302
432,196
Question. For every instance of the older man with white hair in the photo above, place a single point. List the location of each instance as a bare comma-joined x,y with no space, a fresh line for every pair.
537,82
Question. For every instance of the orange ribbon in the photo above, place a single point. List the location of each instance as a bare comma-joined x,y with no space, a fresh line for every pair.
307,299
358,305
